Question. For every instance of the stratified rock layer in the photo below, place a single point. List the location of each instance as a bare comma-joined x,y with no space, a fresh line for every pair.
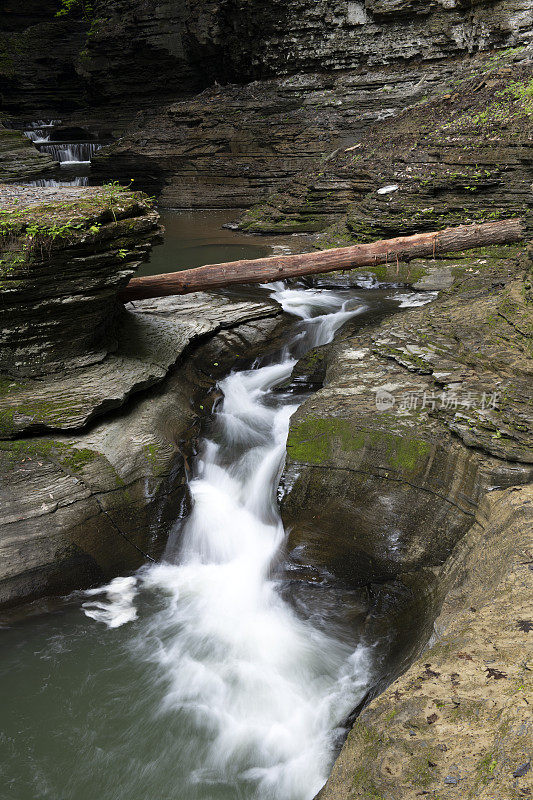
39,59
82,507
411,459
19,159
135,50
458,724
463,153
339,70
64,255
417,418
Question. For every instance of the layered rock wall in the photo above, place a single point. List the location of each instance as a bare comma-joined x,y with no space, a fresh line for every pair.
19,159
233,145
462,155
184,47
458,722
39,57
387,463
59,276
83,503
414,458
330,70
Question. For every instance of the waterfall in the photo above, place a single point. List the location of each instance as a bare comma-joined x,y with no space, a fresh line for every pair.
259,690
79,180
37,136
40,130
70,153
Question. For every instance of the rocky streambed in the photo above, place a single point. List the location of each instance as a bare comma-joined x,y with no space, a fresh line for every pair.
405,490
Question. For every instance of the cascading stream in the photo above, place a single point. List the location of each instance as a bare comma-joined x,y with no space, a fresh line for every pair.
260,690
69,153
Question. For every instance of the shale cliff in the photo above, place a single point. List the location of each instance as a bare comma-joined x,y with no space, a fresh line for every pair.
464,154
281,84
86,493
340,69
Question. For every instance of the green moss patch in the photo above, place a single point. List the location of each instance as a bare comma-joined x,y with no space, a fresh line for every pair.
312,442
71,458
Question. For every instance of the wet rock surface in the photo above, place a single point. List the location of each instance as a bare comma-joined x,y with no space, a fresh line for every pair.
81,507
417,418
415,459
150,338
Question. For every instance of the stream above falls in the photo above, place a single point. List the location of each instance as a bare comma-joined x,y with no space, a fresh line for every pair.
210,675
196,238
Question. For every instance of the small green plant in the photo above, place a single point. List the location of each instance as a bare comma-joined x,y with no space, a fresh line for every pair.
83,7
522,91
28,231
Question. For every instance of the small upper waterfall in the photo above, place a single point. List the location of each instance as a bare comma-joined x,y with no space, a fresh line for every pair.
70,153
37,136
74,156
40,130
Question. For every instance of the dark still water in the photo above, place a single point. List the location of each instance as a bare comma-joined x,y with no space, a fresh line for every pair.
196,238
195,679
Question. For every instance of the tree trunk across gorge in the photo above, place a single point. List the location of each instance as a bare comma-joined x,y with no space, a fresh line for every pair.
261,270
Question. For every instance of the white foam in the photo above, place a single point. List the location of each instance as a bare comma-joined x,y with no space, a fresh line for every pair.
392,187
117,608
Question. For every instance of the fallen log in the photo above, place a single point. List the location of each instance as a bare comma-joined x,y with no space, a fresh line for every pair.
274,268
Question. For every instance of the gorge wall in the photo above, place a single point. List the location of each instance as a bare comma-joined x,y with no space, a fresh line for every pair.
312,108
340,70
235,97
93,472
400,465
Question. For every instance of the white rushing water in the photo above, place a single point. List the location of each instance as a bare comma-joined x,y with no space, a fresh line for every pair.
68,153
262,690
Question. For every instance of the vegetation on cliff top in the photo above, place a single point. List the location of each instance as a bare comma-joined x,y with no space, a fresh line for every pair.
26,229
